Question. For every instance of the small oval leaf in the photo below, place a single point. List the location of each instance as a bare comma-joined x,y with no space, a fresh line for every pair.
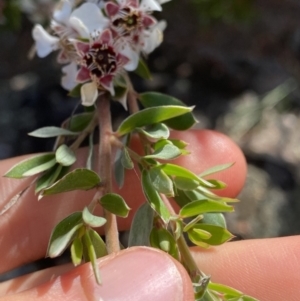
185,183
115,204
219,235
216,219
203,206
162,239
153,99
179,171
154,198
150,116
160,181
76,251
92,256
38,169
91,219
19,169
126,160
63,234
155,132
78,179
167,152
141,226
65,156
51,131
98,243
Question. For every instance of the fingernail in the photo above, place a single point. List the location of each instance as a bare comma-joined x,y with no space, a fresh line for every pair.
140,274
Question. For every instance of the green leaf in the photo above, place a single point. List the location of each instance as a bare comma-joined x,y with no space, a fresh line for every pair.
92,220
49,177
77,123
203,206
217,184
92,255
141,226
160,181
201,233
179,143
192,223
178,229
215,169
167,152
63,234
78,179
154,198
181,198
40,168
228,291
178,171
155,132
185,183
126,160
75,92
115,204
98,243
219,235
153,99
162,239
76,251
150,116
51,131
19,169
161,143
142,70
216,219
65,156
119,171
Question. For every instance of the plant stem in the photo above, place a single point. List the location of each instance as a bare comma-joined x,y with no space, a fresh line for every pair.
186,256
132,102
105,171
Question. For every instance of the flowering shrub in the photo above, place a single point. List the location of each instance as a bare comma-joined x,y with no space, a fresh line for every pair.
98,43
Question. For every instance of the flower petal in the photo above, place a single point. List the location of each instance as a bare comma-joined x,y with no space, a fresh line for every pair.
132,56
89,18
163,1
44,42
89,94
81,47
150,5
107,84
83,75
68,81
63,12
154,37
106,37
111,9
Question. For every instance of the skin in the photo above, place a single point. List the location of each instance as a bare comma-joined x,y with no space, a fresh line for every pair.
267,269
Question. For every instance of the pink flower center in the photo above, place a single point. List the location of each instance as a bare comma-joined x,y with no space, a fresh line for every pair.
101,60
127,21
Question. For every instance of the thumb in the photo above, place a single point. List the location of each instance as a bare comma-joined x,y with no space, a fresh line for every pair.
133,274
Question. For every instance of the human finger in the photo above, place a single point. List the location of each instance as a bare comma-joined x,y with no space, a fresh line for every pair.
267,269
134,274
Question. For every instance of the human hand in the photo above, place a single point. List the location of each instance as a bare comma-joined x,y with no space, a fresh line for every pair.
267,269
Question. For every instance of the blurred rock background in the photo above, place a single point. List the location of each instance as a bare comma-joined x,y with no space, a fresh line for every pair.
238,61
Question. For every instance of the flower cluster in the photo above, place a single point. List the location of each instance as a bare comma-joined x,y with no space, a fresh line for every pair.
98,40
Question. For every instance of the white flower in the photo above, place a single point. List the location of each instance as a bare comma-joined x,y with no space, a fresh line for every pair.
136,29
44,42
68,80
88,20
100,63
